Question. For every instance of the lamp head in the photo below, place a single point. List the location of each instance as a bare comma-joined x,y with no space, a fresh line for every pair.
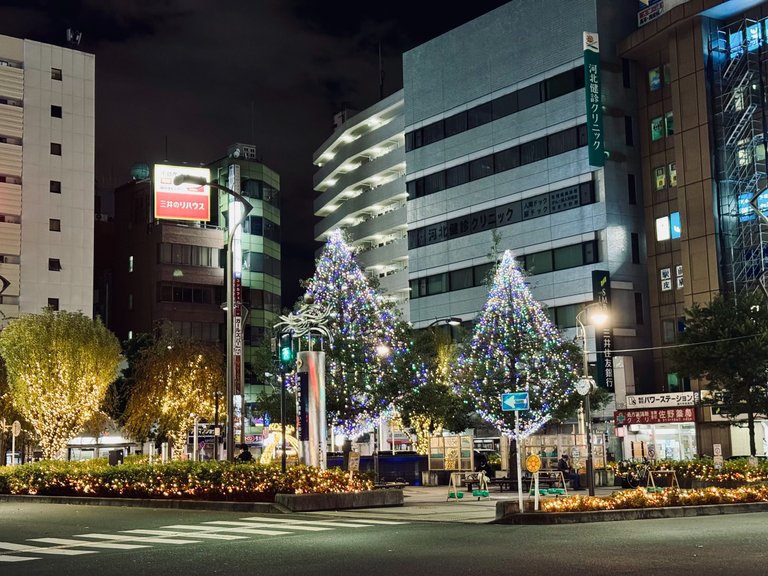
180,179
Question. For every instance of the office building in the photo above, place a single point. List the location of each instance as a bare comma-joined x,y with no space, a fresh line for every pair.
47,108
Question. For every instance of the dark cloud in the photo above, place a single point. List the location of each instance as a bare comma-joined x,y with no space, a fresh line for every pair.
183,79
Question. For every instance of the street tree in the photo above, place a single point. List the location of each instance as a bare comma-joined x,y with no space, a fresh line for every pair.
366,343
516,348
59,365
431,404
726,342
175,382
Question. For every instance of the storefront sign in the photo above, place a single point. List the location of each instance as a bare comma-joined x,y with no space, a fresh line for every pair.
187,201
601,292
662,400
594,102
654,416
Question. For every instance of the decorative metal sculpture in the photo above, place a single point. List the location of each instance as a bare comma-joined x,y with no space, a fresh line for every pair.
310,318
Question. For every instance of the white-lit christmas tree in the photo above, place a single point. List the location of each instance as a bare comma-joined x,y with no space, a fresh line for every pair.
516,348
365,342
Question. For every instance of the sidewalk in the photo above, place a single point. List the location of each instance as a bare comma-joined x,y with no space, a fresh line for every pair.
431,503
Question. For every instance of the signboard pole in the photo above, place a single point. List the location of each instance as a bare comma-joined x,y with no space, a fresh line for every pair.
519,462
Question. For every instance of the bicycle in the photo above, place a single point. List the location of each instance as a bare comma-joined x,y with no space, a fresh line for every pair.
638,476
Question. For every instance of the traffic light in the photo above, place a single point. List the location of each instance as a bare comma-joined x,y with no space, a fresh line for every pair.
286,355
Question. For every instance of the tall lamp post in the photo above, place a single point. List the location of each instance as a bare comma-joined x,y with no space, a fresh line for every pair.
247,207
586,385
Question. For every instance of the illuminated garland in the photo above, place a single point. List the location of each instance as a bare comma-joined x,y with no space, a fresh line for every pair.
516,348
360,323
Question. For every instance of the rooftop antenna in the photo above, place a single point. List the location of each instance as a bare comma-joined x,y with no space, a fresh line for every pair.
74,37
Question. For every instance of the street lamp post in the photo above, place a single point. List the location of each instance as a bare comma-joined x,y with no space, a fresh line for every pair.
586,385
247,207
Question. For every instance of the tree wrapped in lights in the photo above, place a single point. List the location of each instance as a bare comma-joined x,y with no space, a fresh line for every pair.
362,359
59,366
515,348
175,382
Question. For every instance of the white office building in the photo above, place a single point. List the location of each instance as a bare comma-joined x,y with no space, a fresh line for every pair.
361,186
47,128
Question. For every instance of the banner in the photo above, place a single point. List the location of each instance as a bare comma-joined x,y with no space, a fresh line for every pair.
593,90
186,201
601,293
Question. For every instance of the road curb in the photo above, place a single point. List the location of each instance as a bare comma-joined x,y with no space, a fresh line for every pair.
505,516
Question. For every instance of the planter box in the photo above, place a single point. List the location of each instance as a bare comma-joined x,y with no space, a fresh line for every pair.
338,501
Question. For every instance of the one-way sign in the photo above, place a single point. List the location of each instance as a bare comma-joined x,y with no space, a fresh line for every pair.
513,401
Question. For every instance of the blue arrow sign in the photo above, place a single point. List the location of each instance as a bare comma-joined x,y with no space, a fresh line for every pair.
513,401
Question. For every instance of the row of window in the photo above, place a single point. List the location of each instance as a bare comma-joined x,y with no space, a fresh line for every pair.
522,99
189,294
535,263
527,209
201,331
664,176
260,262
662,126
189,255
520,155
260,190
260,226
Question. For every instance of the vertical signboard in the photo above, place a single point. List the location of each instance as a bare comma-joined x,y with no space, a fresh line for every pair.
187,201
593,92
601,293
235,212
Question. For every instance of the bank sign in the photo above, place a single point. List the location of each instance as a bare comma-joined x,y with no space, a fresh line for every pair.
182,202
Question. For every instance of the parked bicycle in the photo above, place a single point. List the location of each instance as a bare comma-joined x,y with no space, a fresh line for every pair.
638,475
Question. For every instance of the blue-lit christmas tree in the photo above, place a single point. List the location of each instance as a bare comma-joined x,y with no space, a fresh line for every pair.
516,348
366,340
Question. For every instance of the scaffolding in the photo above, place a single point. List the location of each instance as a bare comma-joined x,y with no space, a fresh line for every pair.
739,98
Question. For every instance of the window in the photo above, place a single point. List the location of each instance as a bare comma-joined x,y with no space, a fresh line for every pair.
55,111
481,167
479,115
638,308
629,138
505,105
657,128
55,187
53,304
662,228
631,189
568,257
507,159
130,301
455,124
673,173
54,264
669,123
433,133
539,263
55,149
461,279
667,70
675,229
668,329
54,225
130,263
529,96
635,242
55,73
626,73
654,79
457,175
659,178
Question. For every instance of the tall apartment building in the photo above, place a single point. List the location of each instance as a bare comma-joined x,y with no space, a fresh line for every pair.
496,144
361,186
701,76
47,108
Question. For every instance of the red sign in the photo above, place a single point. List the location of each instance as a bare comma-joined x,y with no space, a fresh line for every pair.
186,201
654,416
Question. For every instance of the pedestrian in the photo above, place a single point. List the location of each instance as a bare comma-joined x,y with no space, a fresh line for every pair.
564,466
245,455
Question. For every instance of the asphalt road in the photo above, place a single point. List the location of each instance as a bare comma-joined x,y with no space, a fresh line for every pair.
90,540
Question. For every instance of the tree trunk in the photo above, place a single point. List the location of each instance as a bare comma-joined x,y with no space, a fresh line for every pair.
751,427
345,450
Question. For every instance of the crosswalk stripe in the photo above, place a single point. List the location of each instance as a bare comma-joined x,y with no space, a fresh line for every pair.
177,533
7,558
265,525
42,550
382,522
147,539
242,530
69,542
331,523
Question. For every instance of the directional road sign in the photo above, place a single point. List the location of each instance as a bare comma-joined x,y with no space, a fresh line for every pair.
512,401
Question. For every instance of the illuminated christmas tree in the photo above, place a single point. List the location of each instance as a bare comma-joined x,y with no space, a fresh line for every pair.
516,348
362,359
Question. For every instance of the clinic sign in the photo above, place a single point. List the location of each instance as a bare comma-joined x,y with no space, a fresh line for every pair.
182,202
593,90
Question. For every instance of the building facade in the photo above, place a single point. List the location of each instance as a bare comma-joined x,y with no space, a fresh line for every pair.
497,158
47,129
361,185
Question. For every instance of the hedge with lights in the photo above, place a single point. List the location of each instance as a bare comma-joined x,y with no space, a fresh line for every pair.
178,480
732,473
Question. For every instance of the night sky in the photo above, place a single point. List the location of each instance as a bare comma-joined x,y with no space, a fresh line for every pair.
180,80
